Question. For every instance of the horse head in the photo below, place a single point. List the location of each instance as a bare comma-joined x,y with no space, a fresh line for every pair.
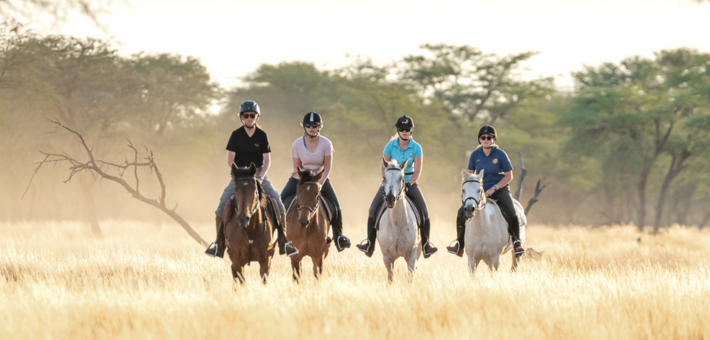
472,195
394,181
246,193
307,195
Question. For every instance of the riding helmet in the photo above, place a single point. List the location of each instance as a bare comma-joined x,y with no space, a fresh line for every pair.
404,122
487,130
249,106
312,117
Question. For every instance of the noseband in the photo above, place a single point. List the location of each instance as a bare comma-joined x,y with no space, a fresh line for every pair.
311,211
401,187
478,202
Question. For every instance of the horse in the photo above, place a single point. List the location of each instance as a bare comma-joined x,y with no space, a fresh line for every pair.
398,234
249,232
307,226
486,236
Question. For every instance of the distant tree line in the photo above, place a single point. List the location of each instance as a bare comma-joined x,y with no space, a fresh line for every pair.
629,144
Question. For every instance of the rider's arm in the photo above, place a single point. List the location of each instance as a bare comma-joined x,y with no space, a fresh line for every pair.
382,165
296,164
230,158
327,164
507,177
417,169
265,167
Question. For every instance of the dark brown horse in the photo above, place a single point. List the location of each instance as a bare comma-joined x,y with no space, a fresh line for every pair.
247,230
307,225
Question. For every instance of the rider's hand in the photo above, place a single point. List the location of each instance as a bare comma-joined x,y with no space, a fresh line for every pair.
407,186
490,192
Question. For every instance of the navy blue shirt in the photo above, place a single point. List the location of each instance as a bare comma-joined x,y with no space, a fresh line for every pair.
494,166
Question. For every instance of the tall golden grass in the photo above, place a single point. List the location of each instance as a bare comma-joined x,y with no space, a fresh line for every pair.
144,281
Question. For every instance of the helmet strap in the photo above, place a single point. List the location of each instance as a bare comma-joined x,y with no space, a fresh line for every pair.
305,133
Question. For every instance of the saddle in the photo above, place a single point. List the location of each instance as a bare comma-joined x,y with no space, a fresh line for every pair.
417,212
519,210
324,203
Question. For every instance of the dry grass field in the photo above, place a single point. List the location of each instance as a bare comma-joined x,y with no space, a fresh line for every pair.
145,281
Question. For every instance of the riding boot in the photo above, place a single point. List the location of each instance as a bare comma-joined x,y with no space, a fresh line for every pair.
514,231
368,246
285,246
458,244
428,248
216,249
341,241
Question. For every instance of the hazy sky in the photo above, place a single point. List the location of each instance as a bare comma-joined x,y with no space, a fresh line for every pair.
232,38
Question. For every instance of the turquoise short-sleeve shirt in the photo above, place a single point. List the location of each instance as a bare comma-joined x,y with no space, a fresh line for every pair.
412,151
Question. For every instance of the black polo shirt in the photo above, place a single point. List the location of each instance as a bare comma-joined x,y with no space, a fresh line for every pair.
249,149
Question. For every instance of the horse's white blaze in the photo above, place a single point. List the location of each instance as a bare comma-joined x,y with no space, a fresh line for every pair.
398,234
308,187
245,183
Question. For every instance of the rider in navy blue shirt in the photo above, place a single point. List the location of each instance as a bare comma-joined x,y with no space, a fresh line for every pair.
497,173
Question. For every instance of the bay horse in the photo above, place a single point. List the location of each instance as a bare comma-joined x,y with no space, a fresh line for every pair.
398,233
486,236
307,225
247,230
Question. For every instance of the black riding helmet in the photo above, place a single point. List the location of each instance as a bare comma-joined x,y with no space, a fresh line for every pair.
404,122
249,106
311,118
486,130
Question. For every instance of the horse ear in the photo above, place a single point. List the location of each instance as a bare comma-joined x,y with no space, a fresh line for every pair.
318,176
404,164
480,174
234,170
384,162
252,169
465,174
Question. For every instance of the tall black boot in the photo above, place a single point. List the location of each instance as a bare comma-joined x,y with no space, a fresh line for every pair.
216,249
458,244
341,241
368,246
428,248
514,231
285,246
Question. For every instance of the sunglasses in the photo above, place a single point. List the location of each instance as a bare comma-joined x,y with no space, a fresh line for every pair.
311,126
404,130
487,138
249,115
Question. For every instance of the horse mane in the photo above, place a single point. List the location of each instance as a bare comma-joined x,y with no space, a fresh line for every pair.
392,164
307,175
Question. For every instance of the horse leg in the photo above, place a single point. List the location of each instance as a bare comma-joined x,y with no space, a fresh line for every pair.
296,267
472,263
493,265
317,266
412,263
238,272
389,264
264,266
515,262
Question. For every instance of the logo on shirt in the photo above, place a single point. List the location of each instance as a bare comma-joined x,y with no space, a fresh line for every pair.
495,160
256,144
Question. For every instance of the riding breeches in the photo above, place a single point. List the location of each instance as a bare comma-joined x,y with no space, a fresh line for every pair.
266,186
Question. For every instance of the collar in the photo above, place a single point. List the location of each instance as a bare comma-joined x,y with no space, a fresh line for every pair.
410,145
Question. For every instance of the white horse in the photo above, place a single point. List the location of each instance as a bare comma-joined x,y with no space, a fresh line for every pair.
398,234
486,236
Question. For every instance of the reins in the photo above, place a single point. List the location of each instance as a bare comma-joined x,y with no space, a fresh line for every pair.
478,202
402,186
311,211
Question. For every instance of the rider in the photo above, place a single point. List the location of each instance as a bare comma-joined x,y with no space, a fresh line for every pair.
401,149
249,144
315,152
498,172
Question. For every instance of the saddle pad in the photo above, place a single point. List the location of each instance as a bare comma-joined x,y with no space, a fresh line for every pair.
383,207
324,203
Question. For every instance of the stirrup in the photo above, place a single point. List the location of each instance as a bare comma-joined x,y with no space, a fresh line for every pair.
295,250
216,249
519,252
364,246
458,247
337,243
427,255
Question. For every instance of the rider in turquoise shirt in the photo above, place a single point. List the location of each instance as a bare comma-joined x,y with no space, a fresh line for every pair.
412,150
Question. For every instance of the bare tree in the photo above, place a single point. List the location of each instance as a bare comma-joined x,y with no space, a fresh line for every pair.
99,168
538,188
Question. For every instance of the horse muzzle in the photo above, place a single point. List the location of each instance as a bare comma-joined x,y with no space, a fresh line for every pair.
243,221
468,210
303,221
390,200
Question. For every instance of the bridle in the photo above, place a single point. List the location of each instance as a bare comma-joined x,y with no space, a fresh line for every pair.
401,187
256,196
311,211
478,202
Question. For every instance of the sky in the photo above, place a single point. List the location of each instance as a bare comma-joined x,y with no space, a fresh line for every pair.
232,38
